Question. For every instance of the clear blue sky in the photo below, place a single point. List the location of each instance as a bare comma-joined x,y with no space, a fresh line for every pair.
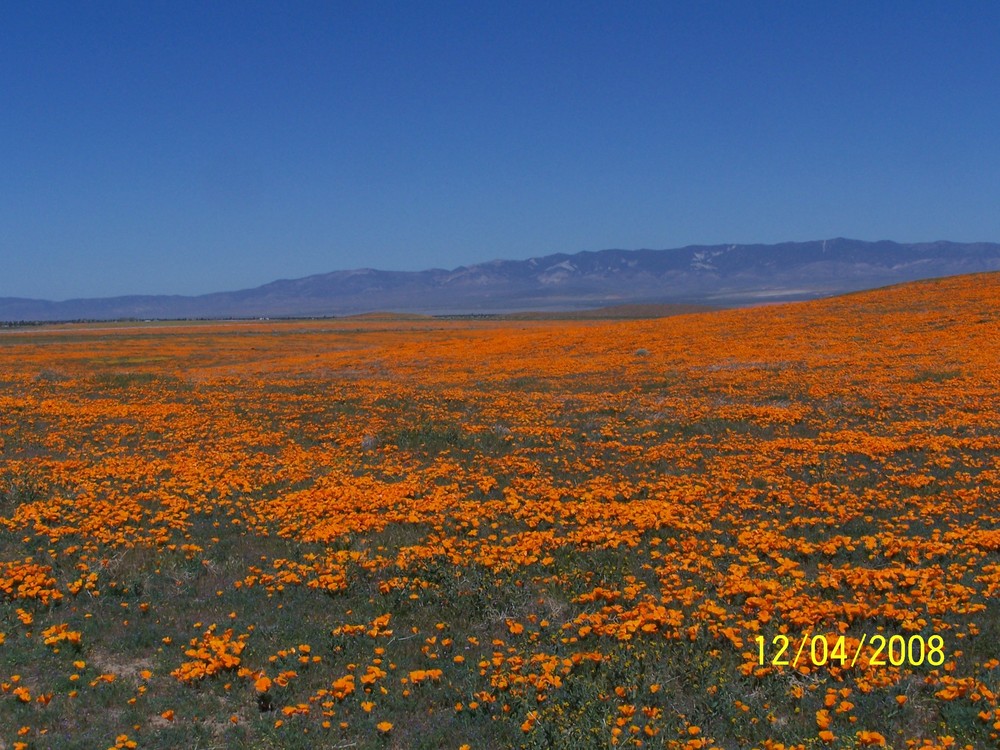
188,147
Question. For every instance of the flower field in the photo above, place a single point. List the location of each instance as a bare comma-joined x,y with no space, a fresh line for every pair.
480,533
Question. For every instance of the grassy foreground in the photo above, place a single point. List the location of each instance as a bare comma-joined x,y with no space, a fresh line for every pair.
488,534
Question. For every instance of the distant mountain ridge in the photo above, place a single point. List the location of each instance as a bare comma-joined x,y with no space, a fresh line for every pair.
721,275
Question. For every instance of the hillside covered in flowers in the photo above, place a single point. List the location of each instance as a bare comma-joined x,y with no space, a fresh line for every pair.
691,532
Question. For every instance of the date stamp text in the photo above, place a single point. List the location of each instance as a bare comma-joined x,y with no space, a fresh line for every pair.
821,650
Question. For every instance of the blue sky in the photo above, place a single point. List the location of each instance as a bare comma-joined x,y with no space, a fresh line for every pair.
194,147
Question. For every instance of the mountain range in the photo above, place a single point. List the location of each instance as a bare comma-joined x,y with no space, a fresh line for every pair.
719,275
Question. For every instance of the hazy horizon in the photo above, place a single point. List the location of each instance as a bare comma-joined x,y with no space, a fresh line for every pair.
486,262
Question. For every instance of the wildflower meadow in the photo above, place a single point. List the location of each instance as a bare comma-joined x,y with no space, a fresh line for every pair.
774,527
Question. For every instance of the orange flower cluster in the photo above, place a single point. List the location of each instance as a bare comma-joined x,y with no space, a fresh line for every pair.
59,634
25,579
211,654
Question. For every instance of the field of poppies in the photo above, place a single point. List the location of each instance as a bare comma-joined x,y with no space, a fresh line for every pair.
773,527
